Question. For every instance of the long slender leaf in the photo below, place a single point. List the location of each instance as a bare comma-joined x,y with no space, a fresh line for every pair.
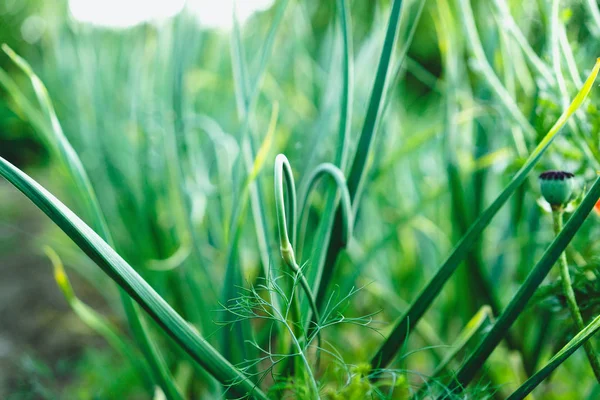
476,48
96,321
246,103
62,146
331,240
233,276
130,281
341,158
419,306
347,85
68,157
482,319
564,353
519,301
247,97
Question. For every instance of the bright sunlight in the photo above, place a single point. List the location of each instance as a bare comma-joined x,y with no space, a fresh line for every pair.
127,13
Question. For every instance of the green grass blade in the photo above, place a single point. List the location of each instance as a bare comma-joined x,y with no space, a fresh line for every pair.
358,171
97,322
265,55
240,69
323,233
536,62
235,350
476,47
130,281
482,319
474,275
23,107
66,153
592,9
347,101
433,288
557,360
526,291
246,99
180,155
401,66
330,241
69,158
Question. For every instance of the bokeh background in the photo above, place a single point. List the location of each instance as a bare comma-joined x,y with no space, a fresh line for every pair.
126,77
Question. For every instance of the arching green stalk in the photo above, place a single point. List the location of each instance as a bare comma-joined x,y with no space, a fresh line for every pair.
132,283
322,170
331,238
283,168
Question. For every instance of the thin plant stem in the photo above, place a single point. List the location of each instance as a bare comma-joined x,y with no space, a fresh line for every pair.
557,217
283,169
283,172
311,378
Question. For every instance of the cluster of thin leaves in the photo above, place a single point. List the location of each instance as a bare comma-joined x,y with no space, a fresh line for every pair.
268,304
274,322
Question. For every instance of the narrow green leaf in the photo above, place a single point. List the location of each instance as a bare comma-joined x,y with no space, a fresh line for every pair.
482,319
246,101
557,360
323,233
419,306
359,169
484,67
537,63
62,147
68,157
519,301
233,276
97,322
330,240
130,281
347,100
263,152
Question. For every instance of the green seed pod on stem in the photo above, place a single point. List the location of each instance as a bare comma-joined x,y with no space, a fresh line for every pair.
557,187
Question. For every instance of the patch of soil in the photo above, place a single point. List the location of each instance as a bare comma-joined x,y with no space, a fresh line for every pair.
37,328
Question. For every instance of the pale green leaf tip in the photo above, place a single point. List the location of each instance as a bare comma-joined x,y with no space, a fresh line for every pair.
60,276
10,52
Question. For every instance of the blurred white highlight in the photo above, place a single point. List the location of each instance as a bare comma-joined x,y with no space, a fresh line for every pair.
216,14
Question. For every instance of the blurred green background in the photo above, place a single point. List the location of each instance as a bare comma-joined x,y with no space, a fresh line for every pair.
152,111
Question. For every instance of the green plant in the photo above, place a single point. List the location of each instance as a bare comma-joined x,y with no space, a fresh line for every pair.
170,180
557,189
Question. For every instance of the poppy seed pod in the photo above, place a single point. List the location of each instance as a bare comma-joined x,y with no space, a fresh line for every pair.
557,187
